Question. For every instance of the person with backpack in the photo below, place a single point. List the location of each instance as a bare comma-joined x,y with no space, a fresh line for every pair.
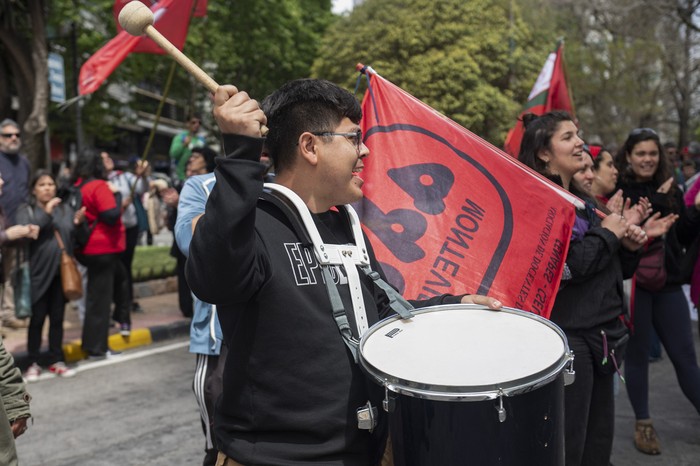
131,186
100,254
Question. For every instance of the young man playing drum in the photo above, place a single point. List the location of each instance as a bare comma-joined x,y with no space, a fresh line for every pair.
291,274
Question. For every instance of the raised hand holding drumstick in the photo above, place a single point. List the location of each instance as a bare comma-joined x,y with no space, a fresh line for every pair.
236,113
137,19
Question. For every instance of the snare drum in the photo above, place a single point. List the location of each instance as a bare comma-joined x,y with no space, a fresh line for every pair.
467,385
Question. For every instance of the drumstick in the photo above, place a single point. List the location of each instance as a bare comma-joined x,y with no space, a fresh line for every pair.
137,19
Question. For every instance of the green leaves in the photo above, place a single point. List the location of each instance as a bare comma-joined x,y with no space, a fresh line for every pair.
460,57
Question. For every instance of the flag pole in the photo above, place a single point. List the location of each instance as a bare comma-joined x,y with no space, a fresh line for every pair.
566,78
161,104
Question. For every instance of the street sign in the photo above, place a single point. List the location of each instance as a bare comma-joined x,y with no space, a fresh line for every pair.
57,78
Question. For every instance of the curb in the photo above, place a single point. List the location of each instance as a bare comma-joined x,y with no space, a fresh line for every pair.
72,351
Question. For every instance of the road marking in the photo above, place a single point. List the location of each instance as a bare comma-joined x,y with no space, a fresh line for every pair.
85,365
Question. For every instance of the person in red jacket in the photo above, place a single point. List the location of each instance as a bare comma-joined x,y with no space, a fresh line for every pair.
100,254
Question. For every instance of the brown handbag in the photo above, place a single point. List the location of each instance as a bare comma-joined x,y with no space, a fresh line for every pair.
71,280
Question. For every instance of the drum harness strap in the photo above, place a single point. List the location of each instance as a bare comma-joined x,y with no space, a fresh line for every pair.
349,256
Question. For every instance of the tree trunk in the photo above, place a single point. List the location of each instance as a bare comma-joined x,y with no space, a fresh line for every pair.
19,62
35,125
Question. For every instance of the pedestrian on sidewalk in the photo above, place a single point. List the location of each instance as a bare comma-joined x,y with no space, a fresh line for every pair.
10,236
100,254
131,186
15,167
53,217
182,146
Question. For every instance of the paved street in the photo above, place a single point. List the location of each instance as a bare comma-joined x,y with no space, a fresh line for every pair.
124,412
675,419
139,410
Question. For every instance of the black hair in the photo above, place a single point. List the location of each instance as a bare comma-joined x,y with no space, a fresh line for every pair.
598,159
209,156
538,137
38,175
313,105
663,170
89,165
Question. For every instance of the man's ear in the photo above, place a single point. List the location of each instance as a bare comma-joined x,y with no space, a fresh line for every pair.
308,149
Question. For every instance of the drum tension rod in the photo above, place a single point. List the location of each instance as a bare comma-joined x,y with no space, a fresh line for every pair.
389,402
501,410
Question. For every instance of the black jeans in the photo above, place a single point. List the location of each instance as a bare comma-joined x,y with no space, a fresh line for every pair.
668,313
52,304
589,408
104,271
127,258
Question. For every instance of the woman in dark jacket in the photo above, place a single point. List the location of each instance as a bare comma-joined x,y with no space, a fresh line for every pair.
46,211
645,172
589,300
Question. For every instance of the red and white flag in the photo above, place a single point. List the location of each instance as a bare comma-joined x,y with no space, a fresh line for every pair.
447,212
171,18
550,92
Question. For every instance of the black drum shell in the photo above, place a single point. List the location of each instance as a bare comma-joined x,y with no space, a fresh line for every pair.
451,433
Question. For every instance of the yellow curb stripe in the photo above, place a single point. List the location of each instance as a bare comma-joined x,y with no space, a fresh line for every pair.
138,337
73,352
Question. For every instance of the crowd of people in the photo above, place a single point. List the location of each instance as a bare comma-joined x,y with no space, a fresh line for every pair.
96,214
256,325
644,238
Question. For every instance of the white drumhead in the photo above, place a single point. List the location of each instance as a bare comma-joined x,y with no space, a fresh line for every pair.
463,346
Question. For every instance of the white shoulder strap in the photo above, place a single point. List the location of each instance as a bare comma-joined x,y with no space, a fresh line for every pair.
347,255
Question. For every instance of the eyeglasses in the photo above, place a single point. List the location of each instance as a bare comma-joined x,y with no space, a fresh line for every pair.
9,135
355,138
638,131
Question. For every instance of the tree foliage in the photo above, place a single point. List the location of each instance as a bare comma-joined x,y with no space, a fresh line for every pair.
256,45
631,63
475,61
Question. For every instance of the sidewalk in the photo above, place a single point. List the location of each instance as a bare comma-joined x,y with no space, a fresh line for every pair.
160,320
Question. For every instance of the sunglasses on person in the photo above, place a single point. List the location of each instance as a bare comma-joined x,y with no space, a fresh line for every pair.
9,135
355,137
639,131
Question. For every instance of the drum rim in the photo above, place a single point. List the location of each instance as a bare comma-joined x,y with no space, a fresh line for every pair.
472,392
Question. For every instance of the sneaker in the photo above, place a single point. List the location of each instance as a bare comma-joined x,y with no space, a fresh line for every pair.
125,330
33,373
61,370
645,439
136,307
100,356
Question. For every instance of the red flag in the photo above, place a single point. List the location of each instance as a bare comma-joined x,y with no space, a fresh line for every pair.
549,93
449,213
170,17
